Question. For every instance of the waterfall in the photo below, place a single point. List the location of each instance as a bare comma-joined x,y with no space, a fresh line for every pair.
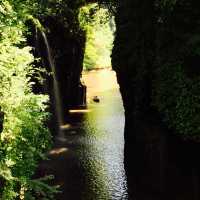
56,91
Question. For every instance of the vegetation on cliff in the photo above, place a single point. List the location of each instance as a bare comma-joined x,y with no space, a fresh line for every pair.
24,138
176,86
99,27
156,56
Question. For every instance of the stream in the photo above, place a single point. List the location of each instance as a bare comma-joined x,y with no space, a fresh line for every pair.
89,165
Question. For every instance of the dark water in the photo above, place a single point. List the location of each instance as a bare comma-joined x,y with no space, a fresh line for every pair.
89,165
100,146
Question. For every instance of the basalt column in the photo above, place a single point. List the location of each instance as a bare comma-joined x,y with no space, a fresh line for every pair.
132,59
156,57
67,44
133,54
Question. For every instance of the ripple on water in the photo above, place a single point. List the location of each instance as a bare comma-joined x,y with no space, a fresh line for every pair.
99,144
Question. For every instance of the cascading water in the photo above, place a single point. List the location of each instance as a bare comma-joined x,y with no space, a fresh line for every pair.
56,91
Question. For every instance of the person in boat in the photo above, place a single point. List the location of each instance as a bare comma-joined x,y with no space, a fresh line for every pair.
96,99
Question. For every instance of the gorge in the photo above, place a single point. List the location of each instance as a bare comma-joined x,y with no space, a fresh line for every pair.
155,56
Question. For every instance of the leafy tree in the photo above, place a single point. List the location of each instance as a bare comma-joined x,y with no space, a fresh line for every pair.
24,138
98,25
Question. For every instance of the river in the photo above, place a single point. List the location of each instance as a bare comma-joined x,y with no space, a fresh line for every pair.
89,164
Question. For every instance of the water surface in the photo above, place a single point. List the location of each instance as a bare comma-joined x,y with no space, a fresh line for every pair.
89,165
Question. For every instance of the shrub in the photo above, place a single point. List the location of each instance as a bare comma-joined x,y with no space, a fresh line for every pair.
24,138
177,96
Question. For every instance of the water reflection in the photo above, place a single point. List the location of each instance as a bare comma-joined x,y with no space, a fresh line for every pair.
89,164
102,152
104,128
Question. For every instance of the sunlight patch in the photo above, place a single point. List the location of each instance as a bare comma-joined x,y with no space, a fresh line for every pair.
58,151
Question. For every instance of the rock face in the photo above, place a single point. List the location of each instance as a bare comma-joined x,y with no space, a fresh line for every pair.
67,43
132,54
133,57
66,40
67,46
152,40
133,62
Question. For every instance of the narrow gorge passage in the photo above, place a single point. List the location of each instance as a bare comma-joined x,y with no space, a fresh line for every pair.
89,164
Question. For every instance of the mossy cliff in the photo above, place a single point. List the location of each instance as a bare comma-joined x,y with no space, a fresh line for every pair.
67,43
156,57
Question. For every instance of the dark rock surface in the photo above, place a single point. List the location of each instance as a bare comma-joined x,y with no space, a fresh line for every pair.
159,165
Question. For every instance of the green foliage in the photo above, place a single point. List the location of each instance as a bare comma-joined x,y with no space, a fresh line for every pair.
177,97
176,85
39,189
98,25
24,138
156,56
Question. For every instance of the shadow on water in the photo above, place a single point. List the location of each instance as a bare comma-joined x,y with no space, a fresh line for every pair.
160,165
89,164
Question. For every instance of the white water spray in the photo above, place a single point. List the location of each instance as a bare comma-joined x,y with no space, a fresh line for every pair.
56,91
